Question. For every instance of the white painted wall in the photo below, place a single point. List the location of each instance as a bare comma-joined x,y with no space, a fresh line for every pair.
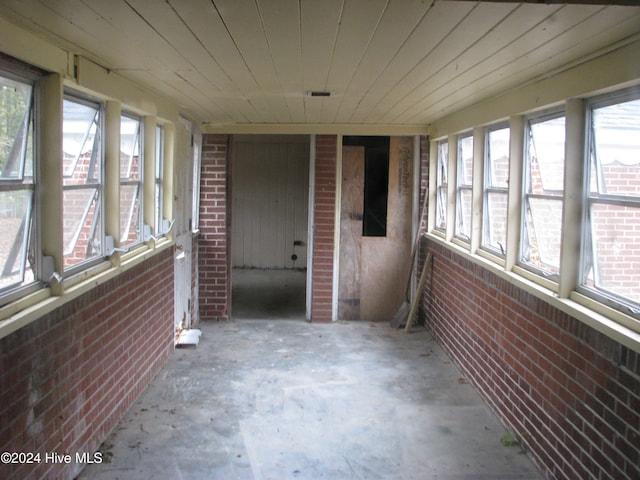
270,190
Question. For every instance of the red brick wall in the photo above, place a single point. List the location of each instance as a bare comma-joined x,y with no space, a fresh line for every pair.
570,394
67,378
324,228
215,239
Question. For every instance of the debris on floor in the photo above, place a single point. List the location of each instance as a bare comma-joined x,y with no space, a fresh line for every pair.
189,338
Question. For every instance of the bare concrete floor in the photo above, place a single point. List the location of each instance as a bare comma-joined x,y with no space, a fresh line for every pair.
285,399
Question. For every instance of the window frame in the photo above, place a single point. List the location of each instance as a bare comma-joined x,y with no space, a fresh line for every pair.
442,185
18,72
587,248
99,186
488,188
159,180
128,182
461,187
549,278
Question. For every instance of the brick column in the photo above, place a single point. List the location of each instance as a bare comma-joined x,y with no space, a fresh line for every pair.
215,239
324,228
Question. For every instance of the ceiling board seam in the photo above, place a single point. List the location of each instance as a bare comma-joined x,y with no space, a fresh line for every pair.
333,54
364,51
442,41
556,71
177,14
244,60
366,92
266,37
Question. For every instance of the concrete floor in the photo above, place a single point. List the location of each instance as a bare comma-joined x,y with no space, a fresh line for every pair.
285,399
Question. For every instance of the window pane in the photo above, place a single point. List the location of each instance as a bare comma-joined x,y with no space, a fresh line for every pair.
15,129
616,150
15,224
82,229
546,156
496,183
159,177
129,148
463,225
497,155
541,242
616,250
129,214
495,233
80,143
441,185
465,160
463,187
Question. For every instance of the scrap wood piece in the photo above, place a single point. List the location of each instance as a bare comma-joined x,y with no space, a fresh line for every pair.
418,297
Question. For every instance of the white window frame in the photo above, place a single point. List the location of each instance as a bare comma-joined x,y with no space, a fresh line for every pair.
442,181
488,188
78,98
463,230
134,217
601,295
547,278
159,180
31,248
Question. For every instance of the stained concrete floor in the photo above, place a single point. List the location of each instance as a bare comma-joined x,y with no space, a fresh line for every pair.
286,399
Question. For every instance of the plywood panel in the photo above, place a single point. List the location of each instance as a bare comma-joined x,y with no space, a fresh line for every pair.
351,214
386,260
270,203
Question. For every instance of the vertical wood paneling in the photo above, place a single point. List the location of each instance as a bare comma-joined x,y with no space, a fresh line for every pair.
270,202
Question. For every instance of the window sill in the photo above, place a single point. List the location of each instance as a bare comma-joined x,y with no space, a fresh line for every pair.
616,326
30,308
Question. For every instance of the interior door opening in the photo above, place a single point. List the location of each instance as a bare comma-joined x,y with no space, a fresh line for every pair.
269,226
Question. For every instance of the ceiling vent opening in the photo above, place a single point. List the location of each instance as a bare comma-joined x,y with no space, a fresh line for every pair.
319,93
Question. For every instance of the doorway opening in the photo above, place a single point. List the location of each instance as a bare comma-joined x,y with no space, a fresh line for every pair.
269,226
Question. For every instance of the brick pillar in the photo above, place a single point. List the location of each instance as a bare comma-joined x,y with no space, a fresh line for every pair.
324,228
215,218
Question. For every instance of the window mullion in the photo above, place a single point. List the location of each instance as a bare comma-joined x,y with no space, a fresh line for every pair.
514,198
51,176
149,169
113,113
574,197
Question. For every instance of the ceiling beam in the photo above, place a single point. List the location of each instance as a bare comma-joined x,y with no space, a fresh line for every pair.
633,3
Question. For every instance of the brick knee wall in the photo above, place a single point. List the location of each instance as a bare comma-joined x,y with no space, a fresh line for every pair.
569,393
214,258
67,378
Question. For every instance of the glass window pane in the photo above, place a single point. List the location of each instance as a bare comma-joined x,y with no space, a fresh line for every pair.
80,143
15,224
497,156
496,184
159,177
15,129
129,214
465,160
463,224
441,185
81,225
546,156
495,232
616,250
541,242
616,150
129,148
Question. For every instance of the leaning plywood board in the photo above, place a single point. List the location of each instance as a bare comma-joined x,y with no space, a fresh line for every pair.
386,260
351,211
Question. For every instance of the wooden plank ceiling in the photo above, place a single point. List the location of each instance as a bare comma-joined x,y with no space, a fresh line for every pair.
386,62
